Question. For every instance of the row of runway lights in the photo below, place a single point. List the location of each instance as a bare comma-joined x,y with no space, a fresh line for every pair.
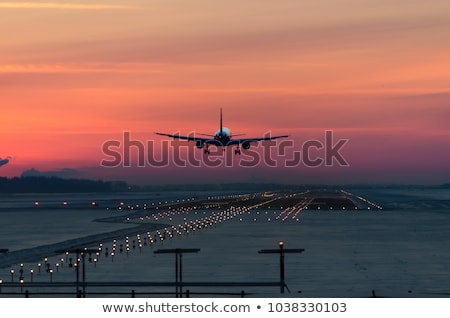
160,235
363,199
150,239
129,207
159,203
294,210
286,213
46,266
128,245
203,205
173,212
176,211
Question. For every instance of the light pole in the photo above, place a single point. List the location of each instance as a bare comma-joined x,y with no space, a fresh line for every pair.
281,250
12,275
31,275
178,266
21,272
80,254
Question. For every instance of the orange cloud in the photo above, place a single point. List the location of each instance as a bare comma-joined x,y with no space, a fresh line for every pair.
67,6
79,68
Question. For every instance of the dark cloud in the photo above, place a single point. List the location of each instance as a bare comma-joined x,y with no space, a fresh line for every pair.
4,161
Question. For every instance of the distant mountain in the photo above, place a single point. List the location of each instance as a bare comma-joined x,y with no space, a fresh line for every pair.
30,183
41,184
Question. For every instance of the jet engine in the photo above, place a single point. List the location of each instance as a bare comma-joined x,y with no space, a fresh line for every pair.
199,144
246,145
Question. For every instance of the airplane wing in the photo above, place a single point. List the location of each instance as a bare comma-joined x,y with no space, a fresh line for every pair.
198,140
189,138
211,141
250,140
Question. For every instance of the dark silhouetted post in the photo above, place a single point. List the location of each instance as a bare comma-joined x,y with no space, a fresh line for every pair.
282,251
79,253
178,266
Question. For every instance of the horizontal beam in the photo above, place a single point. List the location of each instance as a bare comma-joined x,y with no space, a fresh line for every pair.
177,250
139,284
278,251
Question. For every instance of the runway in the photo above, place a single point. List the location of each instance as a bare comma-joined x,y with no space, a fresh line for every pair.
351,246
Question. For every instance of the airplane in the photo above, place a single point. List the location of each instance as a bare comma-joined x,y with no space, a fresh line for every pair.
222,138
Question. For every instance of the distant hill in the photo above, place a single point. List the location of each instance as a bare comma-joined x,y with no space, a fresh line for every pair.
52,184
58,185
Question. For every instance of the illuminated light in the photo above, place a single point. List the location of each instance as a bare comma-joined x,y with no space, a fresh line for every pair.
36,203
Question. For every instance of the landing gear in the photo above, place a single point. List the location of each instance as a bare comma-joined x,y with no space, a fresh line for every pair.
206,151
237,151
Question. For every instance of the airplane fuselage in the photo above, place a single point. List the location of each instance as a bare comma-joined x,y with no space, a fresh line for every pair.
223,136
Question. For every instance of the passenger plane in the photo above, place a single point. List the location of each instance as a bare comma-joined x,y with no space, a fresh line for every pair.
222,138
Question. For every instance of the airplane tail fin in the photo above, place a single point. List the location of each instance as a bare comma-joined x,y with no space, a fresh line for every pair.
221,126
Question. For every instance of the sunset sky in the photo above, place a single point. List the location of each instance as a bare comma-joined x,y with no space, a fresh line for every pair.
74,74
